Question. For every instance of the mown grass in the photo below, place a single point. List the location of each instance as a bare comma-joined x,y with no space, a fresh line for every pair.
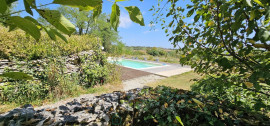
182,81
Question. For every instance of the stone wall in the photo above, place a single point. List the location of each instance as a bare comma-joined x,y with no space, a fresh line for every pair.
71,63
106,109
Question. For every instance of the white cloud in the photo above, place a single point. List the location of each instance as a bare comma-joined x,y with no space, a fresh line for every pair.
125,22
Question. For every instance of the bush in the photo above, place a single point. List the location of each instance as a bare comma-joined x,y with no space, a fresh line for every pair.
162,52
23,92
156,52
51,81
161,105
15,44
251,100
95,69
139,52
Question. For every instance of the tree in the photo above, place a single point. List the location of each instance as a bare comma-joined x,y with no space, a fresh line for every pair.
230,39
102,29
81,19
56,19
10,9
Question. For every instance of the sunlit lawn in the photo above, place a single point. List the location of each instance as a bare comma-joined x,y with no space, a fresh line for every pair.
182,81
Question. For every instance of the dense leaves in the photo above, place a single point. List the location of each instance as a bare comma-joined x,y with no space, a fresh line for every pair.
56,19
16,76
3,6
229,42
224,38
167,106
95,69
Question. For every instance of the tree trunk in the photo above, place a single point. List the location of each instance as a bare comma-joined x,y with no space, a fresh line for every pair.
88,25
80,31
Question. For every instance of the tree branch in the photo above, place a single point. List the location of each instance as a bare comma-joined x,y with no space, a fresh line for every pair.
223,41
6,15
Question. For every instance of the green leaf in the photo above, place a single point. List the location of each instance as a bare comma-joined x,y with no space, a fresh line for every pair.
190,12
32,3
17,75
32,19
26,25
267,14
258,2
56,19
97,11
264,35
12,28
179,120
82,4
3,6
27,7
135,15
196,18
198,102
9,2
249,3
115,16
59,35
50,33
166,30
252,15
171,23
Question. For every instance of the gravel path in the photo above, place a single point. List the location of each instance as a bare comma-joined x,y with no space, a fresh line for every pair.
140,81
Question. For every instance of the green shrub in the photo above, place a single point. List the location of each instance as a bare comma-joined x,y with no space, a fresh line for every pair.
138,52
49,79
153,52
162,52
95,69
234,93
156,52
161,105
17,45
23,92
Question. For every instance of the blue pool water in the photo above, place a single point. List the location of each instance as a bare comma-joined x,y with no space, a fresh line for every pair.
136,64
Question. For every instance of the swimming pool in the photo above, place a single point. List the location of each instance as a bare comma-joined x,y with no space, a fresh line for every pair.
136,64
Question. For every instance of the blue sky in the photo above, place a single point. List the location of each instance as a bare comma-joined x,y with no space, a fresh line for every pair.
132,34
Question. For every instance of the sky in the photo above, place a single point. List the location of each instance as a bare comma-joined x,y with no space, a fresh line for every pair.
131,34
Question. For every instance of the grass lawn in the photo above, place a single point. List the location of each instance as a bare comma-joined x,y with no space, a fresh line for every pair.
182,81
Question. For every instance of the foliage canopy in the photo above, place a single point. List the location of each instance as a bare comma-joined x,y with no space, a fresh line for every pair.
55,18
226,38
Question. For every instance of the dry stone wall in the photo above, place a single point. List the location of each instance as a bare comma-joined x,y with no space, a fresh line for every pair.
94,111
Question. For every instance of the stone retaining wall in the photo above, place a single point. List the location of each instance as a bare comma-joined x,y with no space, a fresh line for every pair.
71,62
93,111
